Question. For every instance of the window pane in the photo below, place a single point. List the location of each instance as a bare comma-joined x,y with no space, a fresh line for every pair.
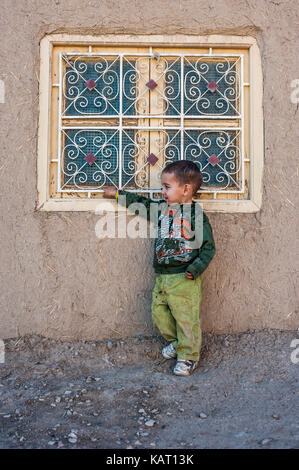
217,154
91,86
210,87
90,158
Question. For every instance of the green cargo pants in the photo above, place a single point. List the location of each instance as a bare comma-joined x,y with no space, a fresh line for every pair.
176,313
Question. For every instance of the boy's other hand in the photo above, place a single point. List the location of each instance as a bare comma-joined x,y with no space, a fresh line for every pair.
189,275
109,191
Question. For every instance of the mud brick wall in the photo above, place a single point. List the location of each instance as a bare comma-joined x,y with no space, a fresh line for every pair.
57,278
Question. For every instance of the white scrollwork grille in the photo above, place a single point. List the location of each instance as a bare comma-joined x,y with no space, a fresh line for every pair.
123,117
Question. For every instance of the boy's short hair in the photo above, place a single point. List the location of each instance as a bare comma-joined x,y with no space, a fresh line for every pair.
186,172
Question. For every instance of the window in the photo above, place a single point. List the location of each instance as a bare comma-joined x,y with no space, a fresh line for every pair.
116,110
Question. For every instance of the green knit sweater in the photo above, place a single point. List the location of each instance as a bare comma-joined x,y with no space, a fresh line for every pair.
176,249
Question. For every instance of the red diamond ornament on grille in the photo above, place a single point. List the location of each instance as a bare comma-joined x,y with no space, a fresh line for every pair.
90,158
90,84
151,84
213,159
152,159
212,86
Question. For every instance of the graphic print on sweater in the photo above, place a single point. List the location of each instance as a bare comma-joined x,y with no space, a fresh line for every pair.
174,233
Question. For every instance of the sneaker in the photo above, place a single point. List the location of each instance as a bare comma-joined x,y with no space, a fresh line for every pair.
169,351
183,367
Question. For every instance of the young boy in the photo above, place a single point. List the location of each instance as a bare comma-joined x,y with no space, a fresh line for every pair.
178,289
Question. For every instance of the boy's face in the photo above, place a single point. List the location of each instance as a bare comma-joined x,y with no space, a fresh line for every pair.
172,192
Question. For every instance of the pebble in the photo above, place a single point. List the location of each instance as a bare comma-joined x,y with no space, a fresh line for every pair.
181,410
58,399
168,413
143,434
141,410
51,443
275,416
72,440
109,345
95,414
266,441
150,423
240,434
202,415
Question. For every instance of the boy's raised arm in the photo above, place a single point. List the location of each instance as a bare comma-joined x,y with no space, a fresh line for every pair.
126,198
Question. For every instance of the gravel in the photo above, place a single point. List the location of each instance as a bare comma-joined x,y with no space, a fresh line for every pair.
243,394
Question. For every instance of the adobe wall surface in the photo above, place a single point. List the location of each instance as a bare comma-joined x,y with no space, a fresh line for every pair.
57,278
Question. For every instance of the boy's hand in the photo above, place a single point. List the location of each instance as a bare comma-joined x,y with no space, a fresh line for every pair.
189,275
109,191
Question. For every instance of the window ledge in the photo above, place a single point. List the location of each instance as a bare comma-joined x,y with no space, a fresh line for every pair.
110,205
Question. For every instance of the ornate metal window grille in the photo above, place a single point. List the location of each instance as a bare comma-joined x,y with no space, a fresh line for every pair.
123,117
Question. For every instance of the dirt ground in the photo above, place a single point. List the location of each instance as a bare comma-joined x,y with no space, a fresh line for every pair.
120,394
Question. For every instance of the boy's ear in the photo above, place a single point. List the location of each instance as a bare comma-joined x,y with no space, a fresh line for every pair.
188,187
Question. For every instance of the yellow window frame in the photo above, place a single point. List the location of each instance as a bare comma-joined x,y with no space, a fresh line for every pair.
50,48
